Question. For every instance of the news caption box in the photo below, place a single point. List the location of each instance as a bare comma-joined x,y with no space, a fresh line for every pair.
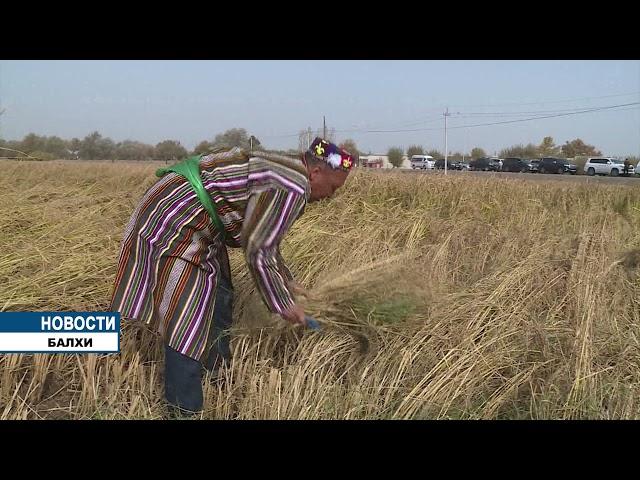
59,332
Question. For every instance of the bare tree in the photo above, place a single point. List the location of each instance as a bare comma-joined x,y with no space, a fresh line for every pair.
331,134
415,150
303,140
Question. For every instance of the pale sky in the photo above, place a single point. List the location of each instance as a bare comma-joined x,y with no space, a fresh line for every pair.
190,101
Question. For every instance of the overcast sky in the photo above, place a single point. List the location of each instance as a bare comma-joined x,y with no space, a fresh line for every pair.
192,101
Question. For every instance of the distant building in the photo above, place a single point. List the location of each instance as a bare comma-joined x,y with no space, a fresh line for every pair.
381,161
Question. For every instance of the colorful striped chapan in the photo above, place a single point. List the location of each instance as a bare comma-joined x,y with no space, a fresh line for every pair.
172,256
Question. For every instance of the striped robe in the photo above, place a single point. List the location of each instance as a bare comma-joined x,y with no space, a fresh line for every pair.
172,257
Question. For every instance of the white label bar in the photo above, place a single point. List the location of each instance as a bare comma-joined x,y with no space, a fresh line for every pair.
21,342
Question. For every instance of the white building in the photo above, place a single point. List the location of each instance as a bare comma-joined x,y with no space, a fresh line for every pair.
383,160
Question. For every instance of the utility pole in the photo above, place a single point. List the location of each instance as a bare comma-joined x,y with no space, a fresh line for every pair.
1,113
466,141
308,137
446,145
251,143
324,128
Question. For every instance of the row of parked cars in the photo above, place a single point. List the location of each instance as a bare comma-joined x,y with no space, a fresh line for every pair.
542,165
427,162
513,164
593,166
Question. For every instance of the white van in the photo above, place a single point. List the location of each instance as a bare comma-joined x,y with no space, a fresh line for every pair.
606,166
423,162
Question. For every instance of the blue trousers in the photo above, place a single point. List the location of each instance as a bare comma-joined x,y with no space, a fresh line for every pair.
182,374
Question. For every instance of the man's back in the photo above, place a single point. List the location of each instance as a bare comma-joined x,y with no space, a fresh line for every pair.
231,177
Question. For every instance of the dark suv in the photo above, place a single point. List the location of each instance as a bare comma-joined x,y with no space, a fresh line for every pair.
513,164
439,165
461,166
556,165
485,164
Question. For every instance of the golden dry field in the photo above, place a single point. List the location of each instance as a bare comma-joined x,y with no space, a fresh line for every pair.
464,296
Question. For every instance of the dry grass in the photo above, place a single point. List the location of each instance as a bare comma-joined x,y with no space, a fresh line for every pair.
440,297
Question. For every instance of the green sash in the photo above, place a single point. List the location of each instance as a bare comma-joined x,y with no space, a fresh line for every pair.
189,168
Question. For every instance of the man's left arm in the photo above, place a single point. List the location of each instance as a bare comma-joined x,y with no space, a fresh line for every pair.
269,216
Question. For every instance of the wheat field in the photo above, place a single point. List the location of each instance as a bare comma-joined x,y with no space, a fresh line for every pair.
457,297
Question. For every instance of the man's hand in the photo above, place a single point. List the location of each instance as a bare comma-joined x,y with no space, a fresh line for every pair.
294,315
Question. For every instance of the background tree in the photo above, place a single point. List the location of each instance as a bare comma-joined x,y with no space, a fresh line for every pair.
170,151
435,154
95,147
236,137
414,150
132,150
331,134
107,148
32,143
57,147
548,147
577,147
89,146
46,147
305,137
13,149
455,157
478,152
522,151
203,148
395,156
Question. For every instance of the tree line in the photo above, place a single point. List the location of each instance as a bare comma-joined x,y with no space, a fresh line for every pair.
96,147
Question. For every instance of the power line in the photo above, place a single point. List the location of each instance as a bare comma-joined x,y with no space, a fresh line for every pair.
548,116
498,114
509,121
352,130
552,101
542,112
436,117
415,121
560,113
432,120
283,135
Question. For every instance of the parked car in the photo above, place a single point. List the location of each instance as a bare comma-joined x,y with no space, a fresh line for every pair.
534,165
514,164
461,166
556,165
440,164
485,164
422,162
606,166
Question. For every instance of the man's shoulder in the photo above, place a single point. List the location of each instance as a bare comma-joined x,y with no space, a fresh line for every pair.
283,161
290,173
235,154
